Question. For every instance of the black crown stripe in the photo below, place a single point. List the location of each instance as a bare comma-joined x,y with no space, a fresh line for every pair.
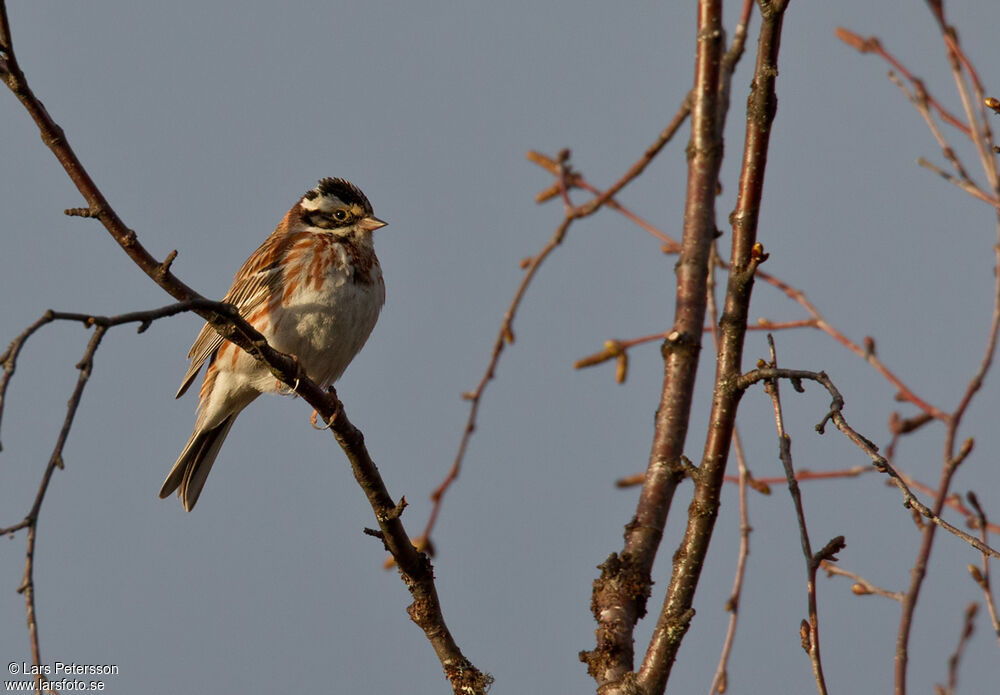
342,189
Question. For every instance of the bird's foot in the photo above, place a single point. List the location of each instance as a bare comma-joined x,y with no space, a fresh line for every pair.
313,419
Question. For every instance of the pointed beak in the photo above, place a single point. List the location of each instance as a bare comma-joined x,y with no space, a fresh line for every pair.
370,224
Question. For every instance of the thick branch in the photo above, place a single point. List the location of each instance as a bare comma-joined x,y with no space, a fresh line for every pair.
745,256
620,593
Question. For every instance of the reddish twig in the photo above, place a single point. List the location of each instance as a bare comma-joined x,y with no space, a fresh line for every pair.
566,179
977,129
605,197
973,104
873,45
968,628
867,353
763,485
861,586
616,349
954,453
965,184
805,475
981,136
817,321
505,335
720,681
576,180
919,98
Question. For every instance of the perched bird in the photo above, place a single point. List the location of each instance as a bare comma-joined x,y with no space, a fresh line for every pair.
314,289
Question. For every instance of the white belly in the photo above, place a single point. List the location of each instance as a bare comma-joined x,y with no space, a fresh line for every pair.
326,328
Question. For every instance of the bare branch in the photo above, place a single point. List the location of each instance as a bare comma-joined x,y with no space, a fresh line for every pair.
982,576
30,522
918,97
746,254
576,180
505,335
965,184
621,592
720,681
565,180
910,501
861,587
812,561
415,567
864,352
873,45
979,132
968,627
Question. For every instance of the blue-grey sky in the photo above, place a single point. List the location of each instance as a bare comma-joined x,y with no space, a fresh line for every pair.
204,122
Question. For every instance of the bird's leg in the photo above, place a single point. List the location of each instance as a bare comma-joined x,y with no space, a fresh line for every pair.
282,388
336,411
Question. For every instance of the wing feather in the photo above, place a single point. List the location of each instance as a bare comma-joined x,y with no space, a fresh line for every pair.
253,286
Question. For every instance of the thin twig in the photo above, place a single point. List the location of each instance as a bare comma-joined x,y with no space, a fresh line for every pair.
973,104
864,352
27,586
873,45
144,318
978,130
982,575
817,321
954,501
968,628
981,136
763,485
965,184
861,587
10,355
918,97
576,180
505,335
910,501
565,180
720,681
812,561
614,348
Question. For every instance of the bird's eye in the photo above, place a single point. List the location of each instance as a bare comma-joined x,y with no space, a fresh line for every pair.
340,215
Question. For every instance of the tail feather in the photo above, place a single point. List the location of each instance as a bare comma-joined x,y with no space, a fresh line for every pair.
195,462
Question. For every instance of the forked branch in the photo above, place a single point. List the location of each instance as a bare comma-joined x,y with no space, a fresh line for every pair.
414,565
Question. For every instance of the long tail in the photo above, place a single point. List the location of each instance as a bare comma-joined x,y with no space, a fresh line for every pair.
195,462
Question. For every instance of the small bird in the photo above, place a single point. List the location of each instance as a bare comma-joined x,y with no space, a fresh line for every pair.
314,289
